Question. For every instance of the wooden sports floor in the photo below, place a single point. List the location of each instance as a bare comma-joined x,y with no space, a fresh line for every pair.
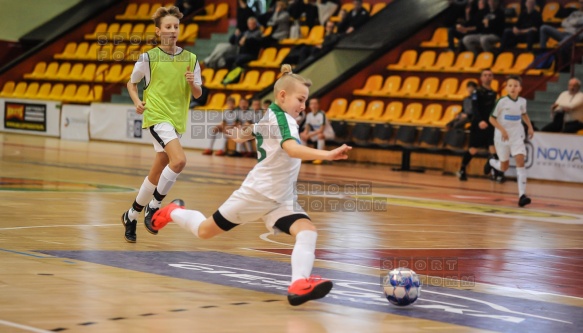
486,264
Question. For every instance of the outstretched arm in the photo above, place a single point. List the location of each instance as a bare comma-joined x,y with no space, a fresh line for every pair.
240,134
295,150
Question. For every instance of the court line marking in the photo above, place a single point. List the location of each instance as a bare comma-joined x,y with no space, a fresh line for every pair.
23,327
26,254
60,226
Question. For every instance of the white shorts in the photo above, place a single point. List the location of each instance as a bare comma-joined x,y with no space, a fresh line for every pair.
514,146
163,133
245,206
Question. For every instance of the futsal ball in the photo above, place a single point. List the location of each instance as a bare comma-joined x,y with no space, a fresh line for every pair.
401,286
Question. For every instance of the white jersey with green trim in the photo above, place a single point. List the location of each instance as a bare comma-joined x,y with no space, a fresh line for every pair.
276,173
508,112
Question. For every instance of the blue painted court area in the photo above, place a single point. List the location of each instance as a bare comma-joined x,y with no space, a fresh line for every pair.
461,307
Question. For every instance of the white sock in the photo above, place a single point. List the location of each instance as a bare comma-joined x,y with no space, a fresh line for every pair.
213,136
144,194
495,164
521,178
239,148
167,179
302,258
188,219
321,143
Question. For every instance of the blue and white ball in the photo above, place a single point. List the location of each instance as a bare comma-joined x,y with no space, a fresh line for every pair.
401,286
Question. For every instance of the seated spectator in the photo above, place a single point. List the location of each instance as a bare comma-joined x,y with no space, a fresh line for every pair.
230,120
191,6
354,19
526,29
493,27
316,127
280,22
246,117
301,53
308,9
470,23
257,110
244,12
265,104
203,99
570,25
567,111
249,45
464,117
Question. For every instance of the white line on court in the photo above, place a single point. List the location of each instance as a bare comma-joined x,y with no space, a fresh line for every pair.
23,327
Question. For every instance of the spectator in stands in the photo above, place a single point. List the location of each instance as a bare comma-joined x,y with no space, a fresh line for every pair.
191,6
570,25
249,43
257,110
354,19
539,3
244,12
464,117
526,29
308,9
469,24
280,23
202,100
265,104
481,131
326,8
567,111
246,117
230,120
493,27
299,54
316,127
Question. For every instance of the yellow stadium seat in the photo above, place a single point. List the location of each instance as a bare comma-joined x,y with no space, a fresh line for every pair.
377,7
495,85
100,73
426,60
43,91
126,73
347,7
129,13
355,110
153,8
448,87
412,113
7,89
267,31
464,61
522,62
373,83
393,111
63,72
75,72
100,29
142,13
189,34
462,91
304,30
431,115
96,94
217,80
549,11
483,61
279,59
88,72
266,79
150,33
68,52
91,53
105,53
503,62
132,53
374,110
113,74
221,10
439,39
123,33
409,87
267,56
56,92
81,95
448,115
248,81
216,102
82,49
38,71
50,72
69,93
31,90
390,87
237,98
338,107
207,74
315,36
408,58
444,61
428,88
19,90
137,33
119,52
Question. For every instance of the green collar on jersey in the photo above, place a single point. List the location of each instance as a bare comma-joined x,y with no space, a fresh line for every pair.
275,108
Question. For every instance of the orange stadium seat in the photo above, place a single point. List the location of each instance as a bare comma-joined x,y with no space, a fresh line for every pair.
448,115
549,11
483,61
216,102
37,72
207,74
373,83
439,39
428,88
426,60
338,107
248,81
408,58
222,10
267,56
217,80
462,92
444,60
355,110
516,7
374,110
503,62
390,87
464,61
412,113
409,87
522,62
448,87
393,111
266,79
431,114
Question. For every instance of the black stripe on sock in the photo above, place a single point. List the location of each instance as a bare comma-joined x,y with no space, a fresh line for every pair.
137,207
158,196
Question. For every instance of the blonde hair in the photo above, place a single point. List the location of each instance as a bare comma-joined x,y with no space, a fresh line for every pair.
165,11
287,77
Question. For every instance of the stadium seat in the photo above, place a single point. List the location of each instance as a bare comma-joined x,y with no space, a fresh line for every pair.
449,114
113,74
137,33
31,90
19,90
101,72
390,87
444,60
522,62
439,39
431,114
38,72
44,91
207,74
150,33
237,98
216,102
409,87
267,31
549,11
572,4
81,94
426,60
88,72
393,111
355,110
347,6
377,7
283,52
267,56
247,82
82,50
221,10
454,139
68,52
153,8
50,72
374,110
315,36
56,92
217,80
267,78
62,73
338,107
75,72
412,113
428,88
100,29
7,89
129,13
69,93
483,61
142,13
448,87
304,30
408,58
463,61
462,92
132,53
373,83
189,34
123,34
503,62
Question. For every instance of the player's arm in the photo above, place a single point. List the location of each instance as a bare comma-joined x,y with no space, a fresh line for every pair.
295,150
194,80
499,127
137,75
240,133
526,120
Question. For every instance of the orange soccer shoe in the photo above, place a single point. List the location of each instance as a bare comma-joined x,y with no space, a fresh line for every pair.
162,216
304,290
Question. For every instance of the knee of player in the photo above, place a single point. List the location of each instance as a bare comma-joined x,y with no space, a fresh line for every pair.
203,233
177,165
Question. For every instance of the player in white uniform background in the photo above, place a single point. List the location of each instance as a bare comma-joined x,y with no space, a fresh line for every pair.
230,119
316,127
268,192
507,118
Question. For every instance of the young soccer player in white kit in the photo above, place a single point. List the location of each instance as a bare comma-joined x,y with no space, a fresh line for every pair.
268,192
507,118
172,75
